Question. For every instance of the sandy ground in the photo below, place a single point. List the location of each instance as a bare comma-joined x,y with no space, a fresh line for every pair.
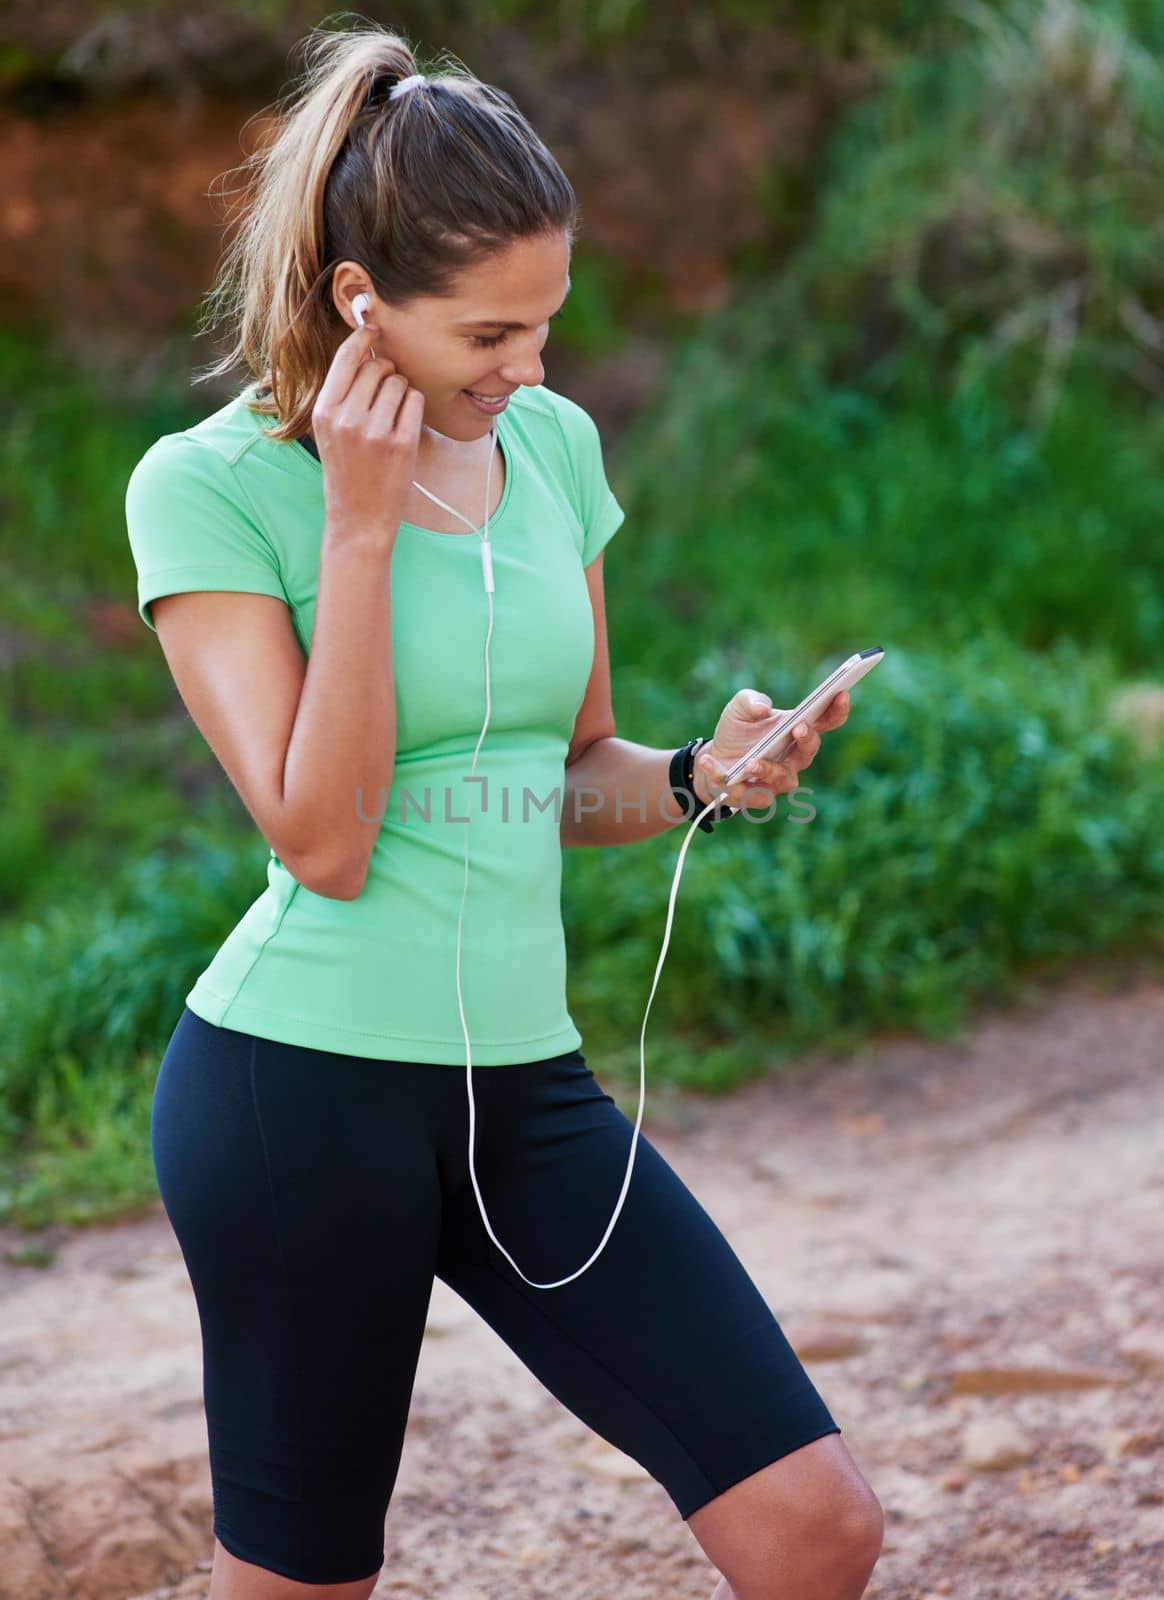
964,1243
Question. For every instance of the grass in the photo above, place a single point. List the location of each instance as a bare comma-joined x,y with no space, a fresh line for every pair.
982,816
848,456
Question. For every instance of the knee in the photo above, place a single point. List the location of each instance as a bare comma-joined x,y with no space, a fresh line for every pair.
863,1533
846,1547
836,1556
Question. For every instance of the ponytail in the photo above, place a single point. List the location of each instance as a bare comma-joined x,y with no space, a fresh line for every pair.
414,189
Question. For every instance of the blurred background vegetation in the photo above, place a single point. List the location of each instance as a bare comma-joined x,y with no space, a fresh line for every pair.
877,360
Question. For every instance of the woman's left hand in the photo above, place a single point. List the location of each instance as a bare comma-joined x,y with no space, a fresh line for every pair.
743,722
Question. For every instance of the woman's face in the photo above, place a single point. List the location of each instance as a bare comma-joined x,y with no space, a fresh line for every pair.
446,346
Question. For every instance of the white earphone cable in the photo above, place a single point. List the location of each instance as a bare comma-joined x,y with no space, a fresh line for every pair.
487,569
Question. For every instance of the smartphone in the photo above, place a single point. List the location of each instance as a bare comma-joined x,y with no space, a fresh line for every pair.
777,742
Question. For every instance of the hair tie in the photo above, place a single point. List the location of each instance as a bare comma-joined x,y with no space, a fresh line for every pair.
407,83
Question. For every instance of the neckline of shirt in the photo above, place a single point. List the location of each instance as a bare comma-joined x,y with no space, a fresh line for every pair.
311,461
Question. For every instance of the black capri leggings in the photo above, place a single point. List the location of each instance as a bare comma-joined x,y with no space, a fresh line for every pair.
315,1194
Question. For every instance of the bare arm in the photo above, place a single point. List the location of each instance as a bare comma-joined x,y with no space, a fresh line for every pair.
296,736
342,749
617,792
310,743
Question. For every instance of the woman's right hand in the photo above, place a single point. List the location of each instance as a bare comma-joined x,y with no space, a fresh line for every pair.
366,424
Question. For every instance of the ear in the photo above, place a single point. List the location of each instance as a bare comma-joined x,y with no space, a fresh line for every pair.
347,281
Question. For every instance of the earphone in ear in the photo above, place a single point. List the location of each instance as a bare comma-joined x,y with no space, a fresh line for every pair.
360,306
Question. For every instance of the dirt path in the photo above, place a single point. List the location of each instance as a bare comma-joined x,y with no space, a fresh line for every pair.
965,1244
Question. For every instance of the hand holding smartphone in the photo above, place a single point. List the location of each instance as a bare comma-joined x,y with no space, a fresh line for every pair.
776,742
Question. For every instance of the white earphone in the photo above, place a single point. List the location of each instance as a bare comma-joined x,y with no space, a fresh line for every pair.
360,305
487,565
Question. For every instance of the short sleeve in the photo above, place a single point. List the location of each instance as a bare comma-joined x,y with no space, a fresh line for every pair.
601,514
191,526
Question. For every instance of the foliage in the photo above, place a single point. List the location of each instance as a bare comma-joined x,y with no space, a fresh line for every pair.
938,429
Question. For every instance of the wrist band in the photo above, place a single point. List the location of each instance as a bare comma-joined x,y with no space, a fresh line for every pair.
681,776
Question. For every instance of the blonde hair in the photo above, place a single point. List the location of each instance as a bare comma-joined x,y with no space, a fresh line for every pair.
415,189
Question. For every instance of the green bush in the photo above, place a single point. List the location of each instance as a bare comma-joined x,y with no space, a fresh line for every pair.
825,519
937,429
977,814
89,994
998,204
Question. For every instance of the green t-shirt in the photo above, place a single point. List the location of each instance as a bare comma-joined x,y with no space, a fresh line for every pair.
219,506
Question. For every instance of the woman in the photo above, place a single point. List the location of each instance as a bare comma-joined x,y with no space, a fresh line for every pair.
324,616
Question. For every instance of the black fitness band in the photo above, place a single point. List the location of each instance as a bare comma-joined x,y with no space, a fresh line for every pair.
681,774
